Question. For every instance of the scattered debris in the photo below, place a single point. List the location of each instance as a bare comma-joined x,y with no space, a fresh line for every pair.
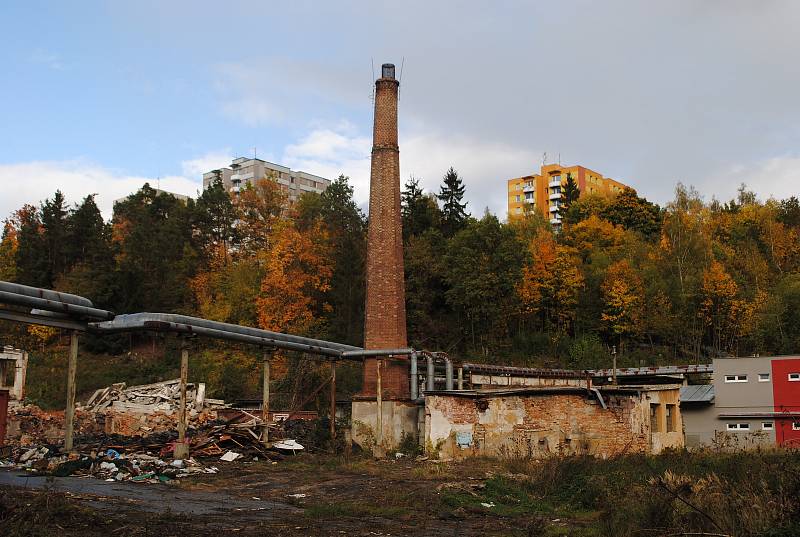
288,445
230,456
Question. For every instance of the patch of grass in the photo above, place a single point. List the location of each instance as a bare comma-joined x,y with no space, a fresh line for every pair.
328,511
42,514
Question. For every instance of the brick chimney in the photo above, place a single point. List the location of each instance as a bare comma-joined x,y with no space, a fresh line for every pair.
385,324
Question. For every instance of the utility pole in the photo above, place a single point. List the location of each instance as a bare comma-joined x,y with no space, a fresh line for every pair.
614,357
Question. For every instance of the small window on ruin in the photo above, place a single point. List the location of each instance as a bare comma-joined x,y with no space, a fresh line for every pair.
671,418
654,428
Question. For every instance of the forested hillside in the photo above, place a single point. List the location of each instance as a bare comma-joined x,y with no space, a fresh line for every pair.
681,283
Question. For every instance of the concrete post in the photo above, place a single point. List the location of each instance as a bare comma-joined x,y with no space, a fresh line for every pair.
265,394
379,414
69,413
460,378
333,402
181,446
20,375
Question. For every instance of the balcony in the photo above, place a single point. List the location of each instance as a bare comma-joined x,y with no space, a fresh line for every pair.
555,196
555,221
530,200
554,208
554,182
527,188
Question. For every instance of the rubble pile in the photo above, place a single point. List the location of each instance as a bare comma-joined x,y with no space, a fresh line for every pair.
106,464
148,398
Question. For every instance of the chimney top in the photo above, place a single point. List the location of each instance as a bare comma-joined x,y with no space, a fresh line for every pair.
387,70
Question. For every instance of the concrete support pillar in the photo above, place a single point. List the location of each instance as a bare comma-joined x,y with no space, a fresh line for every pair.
460,378
379,416
69,413
413,377
333,402
265,394
181,446
20,375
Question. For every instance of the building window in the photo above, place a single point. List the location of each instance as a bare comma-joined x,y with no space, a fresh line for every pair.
767,426
763,377
738,426
796,425
670,418
794,377
654,425
735,378
516,198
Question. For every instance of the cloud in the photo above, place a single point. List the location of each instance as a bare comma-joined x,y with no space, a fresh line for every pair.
76,179
777,177
484,166
213,160
48,59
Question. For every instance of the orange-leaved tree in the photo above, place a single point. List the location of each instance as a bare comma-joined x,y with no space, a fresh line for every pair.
297,272
722,310
623,301
550,283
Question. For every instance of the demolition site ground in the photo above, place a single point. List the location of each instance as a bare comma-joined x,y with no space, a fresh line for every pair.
742,494
305,495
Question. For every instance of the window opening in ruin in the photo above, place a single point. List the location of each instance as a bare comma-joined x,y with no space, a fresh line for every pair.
654,428
670,418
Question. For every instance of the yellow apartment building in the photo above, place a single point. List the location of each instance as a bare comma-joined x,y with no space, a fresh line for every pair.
542,192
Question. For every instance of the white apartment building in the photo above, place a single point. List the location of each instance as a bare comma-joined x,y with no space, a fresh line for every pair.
245,170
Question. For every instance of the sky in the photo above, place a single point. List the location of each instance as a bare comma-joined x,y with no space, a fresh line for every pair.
100,97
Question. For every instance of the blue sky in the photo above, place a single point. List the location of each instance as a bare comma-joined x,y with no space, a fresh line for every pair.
102,96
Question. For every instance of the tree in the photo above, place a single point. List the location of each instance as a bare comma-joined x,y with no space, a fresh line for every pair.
721,309
550,283
151,237
296,274
420,211
215,218
570,194
454,215
634,213
623,298
482,266
259,207
54,234
345,228
31,252
8,252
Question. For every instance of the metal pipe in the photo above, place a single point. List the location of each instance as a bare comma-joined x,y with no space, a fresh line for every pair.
136,321
47,294
69,412
414,380
431,372
460,378
55,306
448,374
375,353
141,323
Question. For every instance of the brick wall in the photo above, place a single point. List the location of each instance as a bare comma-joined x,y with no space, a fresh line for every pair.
535,425
385,322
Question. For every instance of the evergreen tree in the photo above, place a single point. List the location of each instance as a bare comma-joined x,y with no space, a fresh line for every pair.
632,212
570,194
420,211
454,215
31,254
215,216
54,227
346,229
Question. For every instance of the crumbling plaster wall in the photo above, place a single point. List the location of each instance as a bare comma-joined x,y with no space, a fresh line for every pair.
399,418
536,425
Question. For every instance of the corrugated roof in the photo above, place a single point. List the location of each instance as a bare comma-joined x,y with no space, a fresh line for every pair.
697,393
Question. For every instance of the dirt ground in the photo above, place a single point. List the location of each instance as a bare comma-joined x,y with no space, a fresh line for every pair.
307,495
